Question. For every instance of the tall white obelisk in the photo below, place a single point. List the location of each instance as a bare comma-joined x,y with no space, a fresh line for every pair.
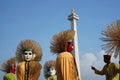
73,17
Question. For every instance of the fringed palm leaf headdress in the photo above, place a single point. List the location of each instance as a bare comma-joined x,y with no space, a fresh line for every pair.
8,64
47,66
59,41
112,38
29,45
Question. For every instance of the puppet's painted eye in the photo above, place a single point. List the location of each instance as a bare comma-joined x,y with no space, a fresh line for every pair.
30,53
25,53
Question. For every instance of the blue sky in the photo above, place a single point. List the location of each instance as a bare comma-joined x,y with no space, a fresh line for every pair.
41,19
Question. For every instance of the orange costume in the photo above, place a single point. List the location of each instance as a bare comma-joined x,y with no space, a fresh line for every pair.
28,56
66,68
34,70
65,64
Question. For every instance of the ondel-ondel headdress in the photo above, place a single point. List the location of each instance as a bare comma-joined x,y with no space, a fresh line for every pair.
29,45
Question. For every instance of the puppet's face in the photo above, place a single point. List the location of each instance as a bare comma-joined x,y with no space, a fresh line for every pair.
13,68
70,46
52,71
28,55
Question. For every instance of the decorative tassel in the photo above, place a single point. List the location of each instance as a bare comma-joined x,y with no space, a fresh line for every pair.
26,70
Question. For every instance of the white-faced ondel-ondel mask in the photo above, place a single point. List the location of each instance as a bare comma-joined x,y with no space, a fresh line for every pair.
52,71
28,55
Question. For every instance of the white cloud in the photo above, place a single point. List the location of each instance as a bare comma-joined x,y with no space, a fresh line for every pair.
87,60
